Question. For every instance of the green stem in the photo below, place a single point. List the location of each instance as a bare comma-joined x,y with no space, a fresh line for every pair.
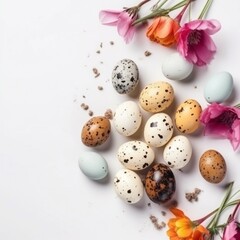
237,106
205,9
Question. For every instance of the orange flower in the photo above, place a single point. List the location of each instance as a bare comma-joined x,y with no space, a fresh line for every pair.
163,30
182,228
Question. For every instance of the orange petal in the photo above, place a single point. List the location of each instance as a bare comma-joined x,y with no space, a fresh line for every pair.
184,232
177,212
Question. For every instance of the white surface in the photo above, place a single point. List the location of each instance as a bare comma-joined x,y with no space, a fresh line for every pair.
47,52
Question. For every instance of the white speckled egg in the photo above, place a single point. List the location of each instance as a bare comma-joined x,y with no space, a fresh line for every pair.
178,151
135,155
127,118
128,186
125,76
158,130
219,87
93,165
156,97
176,67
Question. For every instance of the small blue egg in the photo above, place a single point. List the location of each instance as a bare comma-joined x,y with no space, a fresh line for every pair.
219,87
93,165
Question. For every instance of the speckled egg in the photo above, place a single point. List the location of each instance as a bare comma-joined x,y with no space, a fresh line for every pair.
125,76
135,155
160,184
156,97
219,87
178,151
128,186
176,67
212,166
96,131
158,130
127,118
187,116
93,165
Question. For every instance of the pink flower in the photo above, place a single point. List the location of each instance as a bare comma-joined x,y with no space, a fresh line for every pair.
194,41
122,19
222,121
232,231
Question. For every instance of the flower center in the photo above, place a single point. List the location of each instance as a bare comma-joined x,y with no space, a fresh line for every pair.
227,118
194,37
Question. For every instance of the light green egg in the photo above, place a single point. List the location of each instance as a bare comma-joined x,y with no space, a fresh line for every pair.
93,165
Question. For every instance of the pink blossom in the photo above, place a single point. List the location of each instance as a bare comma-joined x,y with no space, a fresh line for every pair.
232,231
123,20
224,121
194,41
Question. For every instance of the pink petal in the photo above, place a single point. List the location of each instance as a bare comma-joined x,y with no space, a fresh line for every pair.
124,23
130,34
109,17
235,137
230,231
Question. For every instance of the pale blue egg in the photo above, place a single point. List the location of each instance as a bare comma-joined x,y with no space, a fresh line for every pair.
219,87
93,165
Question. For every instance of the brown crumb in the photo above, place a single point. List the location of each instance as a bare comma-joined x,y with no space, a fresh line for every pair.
149,204
84,96
100,88
156,223
90,113
101,45
98,51
111,42
163,213
147,53
96,72
193,196
84,106
195,87
108,114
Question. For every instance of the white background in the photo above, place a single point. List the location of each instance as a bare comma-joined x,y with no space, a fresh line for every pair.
47,53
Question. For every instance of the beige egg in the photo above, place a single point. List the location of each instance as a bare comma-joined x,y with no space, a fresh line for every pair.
212,166
187,116
156,97
95,131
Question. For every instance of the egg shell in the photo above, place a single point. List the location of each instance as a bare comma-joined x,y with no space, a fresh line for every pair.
187,116
125,76
158,130
128,186
93,165
135,155
176,67
96,131
178,151
160,184
219,87
212,166
127,118
156,97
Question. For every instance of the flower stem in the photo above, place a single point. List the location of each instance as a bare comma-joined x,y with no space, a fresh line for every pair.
142,3
205,9
180,15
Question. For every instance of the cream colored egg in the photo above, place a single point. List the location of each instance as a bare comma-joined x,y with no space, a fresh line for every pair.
156,97
187,116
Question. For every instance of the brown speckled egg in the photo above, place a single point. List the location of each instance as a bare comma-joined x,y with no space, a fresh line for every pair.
95,131
212,166
187,116
156,97
160,183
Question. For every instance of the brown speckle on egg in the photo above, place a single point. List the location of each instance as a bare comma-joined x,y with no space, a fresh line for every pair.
212,166
95,131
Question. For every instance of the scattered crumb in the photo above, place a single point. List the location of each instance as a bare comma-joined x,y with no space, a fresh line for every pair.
101,45
108,114
111,42
98,51
90,113
101,62
193,196
84,106
158,225
149,204
163,213
96,72
147,53
83,96
100,88
195,87
74,100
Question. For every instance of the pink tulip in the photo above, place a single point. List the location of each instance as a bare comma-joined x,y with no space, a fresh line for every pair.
194,41
123,20
224,121
232,231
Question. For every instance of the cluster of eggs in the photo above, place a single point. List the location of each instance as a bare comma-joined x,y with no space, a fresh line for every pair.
136,155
